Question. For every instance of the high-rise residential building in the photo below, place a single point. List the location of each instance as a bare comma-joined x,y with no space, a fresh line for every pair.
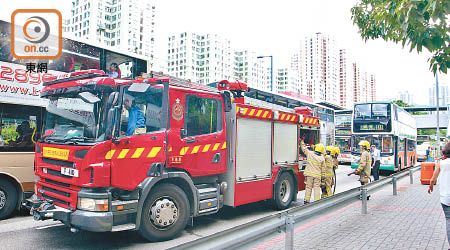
287,80
251,69
318,67
125,25
406,97
444,97
201,58
346,79
364,85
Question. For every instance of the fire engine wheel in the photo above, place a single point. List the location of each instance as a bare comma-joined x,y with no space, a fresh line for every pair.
284,191
8,198
165,213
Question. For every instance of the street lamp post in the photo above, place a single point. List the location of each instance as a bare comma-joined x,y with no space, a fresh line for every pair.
271,71
438,143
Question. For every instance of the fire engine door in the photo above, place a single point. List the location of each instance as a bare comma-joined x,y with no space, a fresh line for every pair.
197,137
139,150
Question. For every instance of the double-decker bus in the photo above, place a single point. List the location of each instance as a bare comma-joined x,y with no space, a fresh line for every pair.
22,111
390,128
343,134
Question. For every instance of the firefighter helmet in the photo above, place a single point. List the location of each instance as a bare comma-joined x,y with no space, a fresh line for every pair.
365,144
337,151
330,149
319,148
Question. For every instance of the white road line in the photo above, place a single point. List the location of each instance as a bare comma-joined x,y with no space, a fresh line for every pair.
54,225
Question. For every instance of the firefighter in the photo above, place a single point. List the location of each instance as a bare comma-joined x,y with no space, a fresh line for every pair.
335,153
315,168
327,177
365,162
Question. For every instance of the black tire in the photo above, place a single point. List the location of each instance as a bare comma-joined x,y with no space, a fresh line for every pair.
174,196
8,199
284,191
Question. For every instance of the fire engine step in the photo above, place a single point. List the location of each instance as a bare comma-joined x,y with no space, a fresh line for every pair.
123,227
208,198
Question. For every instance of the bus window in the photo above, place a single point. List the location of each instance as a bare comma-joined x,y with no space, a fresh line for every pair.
20,127
76,56
387,144
118,66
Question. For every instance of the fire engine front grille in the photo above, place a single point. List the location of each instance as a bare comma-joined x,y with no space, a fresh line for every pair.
57,173
57,183
56,191
58,162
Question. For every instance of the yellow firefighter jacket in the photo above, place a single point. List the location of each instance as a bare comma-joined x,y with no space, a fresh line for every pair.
365,163
328,165
315,164
335,163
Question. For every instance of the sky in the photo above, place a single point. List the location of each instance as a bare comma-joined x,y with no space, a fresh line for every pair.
275,28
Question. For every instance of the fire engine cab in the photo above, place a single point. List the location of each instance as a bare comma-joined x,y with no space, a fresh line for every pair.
151,154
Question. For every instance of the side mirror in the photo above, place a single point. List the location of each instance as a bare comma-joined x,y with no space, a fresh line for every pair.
227,100
183,132
89,97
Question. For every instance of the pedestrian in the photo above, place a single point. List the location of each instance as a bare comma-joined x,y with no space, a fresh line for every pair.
428,153
442,170
376,163
315,167
327,176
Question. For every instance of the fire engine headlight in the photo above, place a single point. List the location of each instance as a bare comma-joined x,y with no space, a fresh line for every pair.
95,205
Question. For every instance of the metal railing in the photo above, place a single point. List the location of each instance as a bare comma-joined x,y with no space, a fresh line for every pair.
285,220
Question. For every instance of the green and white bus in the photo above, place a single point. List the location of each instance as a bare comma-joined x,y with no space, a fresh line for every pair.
390,128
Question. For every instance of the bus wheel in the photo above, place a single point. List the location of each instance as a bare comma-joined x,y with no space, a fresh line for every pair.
8,199
284,191
165,213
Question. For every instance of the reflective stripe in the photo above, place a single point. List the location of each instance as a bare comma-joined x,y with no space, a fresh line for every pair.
137,153
259,113
313,173
123,153
206,148
195,149
184,150
153,152
110,154
288,117
314,163
216,146
282,116
251,112
265,114
224,146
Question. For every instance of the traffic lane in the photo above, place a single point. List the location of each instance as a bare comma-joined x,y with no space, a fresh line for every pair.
27,233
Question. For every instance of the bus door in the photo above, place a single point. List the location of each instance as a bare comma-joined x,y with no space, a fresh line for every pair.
396,160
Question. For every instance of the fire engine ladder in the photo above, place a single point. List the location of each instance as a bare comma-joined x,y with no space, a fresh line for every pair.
179,82
208,198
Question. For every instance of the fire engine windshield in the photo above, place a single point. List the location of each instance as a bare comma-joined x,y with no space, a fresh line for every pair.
73,120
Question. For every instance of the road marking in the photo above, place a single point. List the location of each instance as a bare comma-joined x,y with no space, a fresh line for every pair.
49,226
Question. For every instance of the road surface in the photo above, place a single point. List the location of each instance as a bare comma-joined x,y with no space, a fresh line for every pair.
21,232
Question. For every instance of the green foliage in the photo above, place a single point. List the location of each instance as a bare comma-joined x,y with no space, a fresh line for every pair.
9,133
401,103
416,23
431,131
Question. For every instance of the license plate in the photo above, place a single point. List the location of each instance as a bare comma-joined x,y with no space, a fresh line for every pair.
57,153
69,172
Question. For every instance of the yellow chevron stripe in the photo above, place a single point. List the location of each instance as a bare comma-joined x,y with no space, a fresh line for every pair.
245,110
170,149
237,110
265,114
206,148
216,146
110,154
259,113
288,117
195,149
293,118
270,116
137,153
306,120
251,112
153,152
224,146
123,153
282,116
184,150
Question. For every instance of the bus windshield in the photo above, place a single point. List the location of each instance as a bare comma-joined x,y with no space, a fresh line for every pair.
374,111
344,144
384,143
73,120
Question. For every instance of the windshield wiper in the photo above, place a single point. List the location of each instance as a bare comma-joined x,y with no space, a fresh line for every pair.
73,140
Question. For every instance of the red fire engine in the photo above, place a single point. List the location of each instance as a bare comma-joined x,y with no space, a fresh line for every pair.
151,154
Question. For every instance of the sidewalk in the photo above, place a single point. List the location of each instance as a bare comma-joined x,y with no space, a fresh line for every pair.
411,220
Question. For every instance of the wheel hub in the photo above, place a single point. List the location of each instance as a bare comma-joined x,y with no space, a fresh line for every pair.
2,199
163,213
285,190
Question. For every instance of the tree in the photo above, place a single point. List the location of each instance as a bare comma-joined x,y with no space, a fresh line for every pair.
417,23
401,103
